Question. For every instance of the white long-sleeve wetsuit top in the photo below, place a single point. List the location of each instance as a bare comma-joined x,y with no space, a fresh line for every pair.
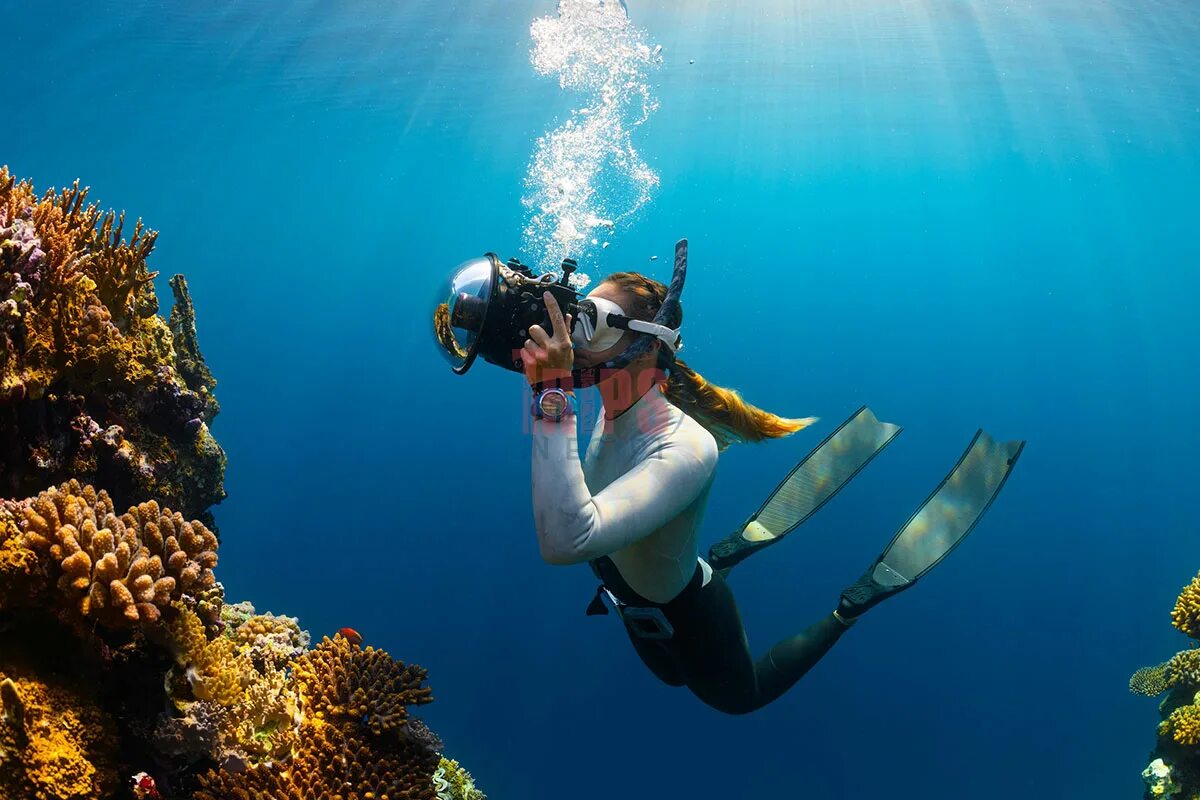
638,497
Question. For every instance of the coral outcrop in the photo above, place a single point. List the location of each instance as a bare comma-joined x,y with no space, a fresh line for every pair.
1175,763
123,673
94,384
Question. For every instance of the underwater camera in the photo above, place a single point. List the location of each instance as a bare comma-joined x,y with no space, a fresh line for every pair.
489,307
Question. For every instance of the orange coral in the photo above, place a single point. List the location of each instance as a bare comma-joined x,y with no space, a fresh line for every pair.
340,680
118,570
1186,614
55,743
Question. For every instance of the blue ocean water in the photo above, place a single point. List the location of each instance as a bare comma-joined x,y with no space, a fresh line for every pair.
960,213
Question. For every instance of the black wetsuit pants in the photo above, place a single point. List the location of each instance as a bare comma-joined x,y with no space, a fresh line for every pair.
708,651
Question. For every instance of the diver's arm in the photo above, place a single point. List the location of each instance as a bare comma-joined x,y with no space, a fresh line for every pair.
574,526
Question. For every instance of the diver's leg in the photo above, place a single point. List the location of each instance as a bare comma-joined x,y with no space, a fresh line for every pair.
715,656
659,658
811,484
939,525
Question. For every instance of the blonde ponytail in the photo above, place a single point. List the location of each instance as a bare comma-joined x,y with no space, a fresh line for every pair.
722,411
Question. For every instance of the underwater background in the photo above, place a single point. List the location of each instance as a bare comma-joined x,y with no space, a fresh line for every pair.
959,213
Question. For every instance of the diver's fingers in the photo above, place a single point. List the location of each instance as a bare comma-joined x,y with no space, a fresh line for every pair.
556,317
535,352
538,334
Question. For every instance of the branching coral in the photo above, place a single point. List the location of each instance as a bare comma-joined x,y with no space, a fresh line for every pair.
1183,725
1186,614
452,782
340,680
55,742
117,570
93,383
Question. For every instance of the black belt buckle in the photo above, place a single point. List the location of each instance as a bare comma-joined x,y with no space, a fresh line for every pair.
647,623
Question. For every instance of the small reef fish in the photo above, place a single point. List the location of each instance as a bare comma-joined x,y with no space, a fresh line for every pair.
352,636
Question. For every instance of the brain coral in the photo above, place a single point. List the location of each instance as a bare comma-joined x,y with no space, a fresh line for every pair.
1186,614
117,570
93,383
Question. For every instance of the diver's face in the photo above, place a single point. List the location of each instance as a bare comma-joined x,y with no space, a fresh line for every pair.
612,293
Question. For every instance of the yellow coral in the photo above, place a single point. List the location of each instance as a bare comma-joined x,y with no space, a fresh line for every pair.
1186,614
20,579
55,743
1183,725
213,669
119,570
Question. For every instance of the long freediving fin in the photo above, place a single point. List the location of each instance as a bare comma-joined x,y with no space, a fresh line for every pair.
810,484
941,523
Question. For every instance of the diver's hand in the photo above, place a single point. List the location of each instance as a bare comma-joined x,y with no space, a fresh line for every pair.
546,357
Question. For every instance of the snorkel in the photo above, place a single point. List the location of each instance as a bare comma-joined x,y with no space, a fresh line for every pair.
490,306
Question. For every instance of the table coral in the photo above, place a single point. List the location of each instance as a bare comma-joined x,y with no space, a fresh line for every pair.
55,742
94,384
117,570
1186,614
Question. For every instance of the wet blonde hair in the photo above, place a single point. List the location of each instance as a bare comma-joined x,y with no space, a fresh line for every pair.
722,411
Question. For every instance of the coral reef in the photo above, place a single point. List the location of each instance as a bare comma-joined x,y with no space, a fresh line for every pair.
94,384
122,670
355,732
1175,763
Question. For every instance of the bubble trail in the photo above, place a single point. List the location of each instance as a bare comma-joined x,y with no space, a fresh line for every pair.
585,177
